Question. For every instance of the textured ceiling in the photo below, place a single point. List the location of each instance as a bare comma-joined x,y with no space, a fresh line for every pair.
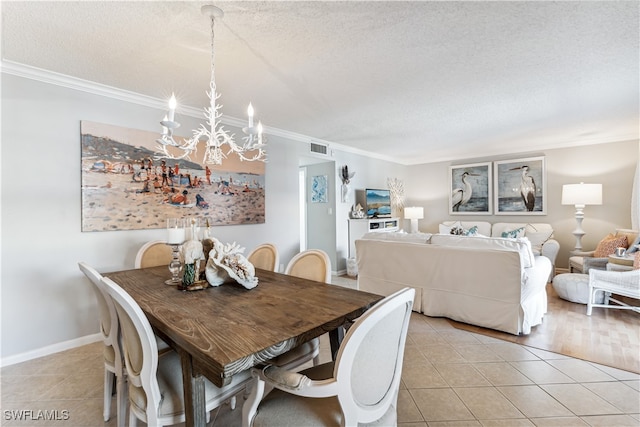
411,81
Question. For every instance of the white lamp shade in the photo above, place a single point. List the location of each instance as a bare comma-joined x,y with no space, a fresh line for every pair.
414,213
582,194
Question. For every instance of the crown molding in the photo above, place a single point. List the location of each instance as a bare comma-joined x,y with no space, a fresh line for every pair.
57,79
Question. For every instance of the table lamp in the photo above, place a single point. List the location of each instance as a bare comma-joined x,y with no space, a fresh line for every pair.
414,214
581,195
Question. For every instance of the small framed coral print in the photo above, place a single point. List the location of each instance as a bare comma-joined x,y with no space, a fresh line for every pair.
520,187
319,189
470,189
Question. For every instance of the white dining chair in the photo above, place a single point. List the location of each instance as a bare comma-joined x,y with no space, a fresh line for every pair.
360,387
113,370
153,254
264,256
312,264
156,393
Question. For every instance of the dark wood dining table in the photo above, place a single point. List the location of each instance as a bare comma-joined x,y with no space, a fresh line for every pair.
221,331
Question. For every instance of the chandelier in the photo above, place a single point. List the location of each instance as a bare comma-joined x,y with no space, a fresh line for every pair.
215,136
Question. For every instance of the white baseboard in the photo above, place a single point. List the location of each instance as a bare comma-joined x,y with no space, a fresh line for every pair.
50,349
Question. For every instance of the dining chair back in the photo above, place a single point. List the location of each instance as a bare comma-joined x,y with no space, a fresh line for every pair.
360,387
113,370
156,391
153,254
312,264
265,256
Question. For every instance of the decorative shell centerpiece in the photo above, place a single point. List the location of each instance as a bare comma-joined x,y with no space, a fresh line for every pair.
227,263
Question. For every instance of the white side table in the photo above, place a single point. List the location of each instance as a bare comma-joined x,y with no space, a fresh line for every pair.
620,263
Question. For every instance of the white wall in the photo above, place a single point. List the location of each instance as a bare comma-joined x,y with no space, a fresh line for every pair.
613,165
46,304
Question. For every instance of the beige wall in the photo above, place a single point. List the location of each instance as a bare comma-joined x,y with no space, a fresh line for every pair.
613,165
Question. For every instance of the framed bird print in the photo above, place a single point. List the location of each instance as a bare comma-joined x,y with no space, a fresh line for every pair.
470,189
520,187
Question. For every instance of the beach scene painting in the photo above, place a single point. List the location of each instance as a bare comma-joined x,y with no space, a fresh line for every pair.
125,186
470,189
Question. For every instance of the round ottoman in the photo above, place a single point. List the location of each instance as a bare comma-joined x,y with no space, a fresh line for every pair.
574,287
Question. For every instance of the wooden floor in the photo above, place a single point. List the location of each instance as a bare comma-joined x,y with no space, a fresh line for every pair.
609,337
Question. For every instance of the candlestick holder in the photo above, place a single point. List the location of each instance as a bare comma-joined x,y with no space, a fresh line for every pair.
175,238
175,266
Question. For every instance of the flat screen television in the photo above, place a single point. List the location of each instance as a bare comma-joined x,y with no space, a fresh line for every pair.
378,203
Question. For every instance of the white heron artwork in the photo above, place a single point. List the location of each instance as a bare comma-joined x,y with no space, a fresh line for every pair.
470,189
520,186
460,196
527,188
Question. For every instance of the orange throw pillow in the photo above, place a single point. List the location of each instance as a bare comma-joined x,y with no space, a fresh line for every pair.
608,245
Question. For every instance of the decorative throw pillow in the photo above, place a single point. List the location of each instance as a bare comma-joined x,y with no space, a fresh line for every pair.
458,231
446,229
633,247
636,261
473,231
608,245
631,234
513,234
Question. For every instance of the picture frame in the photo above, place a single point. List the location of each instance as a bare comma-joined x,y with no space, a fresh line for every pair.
319,189
520,186
125,187
470,189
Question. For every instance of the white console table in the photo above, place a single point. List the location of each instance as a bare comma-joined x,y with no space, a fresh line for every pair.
360,227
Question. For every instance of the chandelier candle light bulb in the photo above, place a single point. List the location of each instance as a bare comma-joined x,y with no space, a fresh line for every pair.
172,107
250,114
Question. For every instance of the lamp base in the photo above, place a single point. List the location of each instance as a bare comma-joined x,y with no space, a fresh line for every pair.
579,232
414,226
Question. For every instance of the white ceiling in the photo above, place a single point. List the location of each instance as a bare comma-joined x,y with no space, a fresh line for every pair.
410,81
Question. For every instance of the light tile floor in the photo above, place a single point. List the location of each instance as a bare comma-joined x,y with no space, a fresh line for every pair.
450,378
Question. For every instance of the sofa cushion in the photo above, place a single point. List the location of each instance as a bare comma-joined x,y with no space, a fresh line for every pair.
399,237
608,245
522,246
484,228
537,233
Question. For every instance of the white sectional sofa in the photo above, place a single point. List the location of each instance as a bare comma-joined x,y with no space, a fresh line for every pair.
492,282
539,234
